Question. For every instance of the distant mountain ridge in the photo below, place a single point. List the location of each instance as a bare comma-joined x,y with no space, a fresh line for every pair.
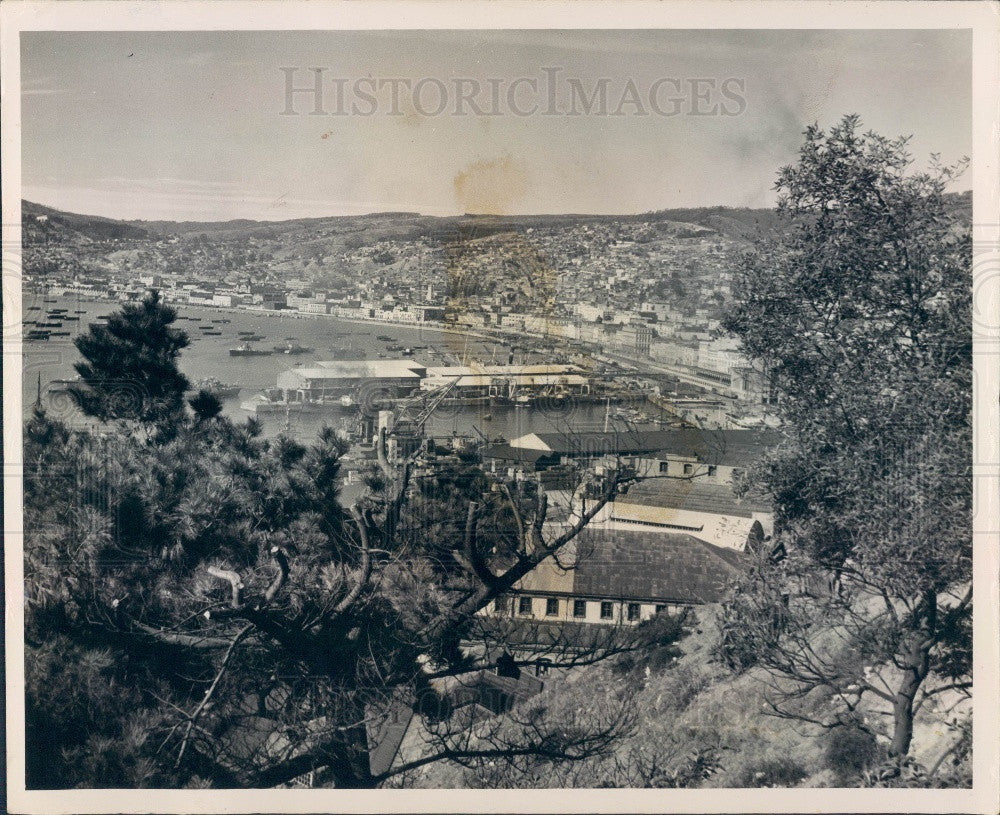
46,223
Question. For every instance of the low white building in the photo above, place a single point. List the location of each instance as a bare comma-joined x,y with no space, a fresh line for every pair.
508,380
336,378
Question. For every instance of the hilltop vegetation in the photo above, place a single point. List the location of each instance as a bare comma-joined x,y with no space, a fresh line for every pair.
43,224
701,724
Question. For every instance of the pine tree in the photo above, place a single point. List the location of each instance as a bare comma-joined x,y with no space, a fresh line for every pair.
129,368
209,614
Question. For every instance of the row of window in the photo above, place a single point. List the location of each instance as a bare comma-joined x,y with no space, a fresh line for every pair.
688,468
524,608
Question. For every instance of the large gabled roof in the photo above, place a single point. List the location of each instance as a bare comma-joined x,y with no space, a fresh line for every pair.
638,565
729,447
654,566
523,455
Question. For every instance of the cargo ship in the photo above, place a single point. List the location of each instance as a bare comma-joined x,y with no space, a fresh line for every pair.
247,350
292,346
272,402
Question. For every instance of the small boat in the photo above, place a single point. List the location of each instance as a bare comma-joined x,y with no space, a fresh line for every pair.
352,353
247,350
211,333
218,389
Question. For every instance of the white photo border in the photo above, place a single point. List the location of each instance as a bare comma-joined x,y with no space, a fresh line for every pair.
983,18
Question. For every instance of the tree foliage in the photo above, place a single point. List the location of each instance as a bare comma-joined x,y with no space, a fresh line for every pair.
860,314
129,366
201,610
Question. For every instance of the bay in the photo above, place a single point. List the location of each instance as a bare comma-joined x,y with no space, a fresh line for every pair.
208,356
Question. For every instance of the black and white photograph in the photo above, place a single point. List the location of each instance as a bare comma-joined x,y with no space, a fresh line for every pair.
402,403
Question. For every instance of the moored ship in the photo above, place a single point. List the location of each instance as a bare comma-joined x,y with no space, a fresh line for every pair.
247,350
218,389
272,401
292,346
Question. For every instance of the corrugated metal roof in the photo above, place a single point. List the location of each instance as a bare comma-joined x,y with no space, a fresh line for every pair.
360,369
729,447
450,371
692,495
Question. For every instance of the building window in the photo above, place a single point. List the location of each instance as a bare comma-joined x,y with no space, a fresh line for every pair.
607,610
579,608
633,612
524,605
502,605
712,470
551,607
660,608
688,469
664,466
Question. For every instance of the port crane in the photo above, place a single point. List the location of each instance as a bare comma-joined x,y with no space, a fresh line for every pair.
411,413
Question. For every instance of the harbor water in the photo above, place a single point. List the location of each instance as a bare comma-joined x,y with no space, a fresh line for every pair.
51,360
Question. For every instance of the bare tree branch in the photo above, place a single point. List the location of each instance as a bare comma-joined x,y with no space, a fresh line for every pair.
233,579
193,720
365,566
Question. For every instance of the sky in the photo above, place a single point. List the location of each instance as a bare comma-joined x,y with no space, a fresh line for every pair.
199,126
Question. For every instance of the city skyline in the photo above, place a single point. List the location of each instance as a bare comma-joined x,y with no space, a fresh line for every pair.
146,104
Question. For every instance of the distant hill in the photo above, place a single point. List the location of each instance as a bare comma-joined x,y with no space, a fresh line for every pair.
745,223
46,224
738,223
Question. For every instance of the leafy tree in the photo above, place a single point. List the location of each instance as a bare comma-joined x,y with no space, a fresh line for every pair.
860,311
129,367
222,620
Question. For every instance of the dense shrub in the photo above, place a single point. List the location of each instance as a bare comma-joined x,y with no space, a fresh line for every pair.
849,751
772,772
